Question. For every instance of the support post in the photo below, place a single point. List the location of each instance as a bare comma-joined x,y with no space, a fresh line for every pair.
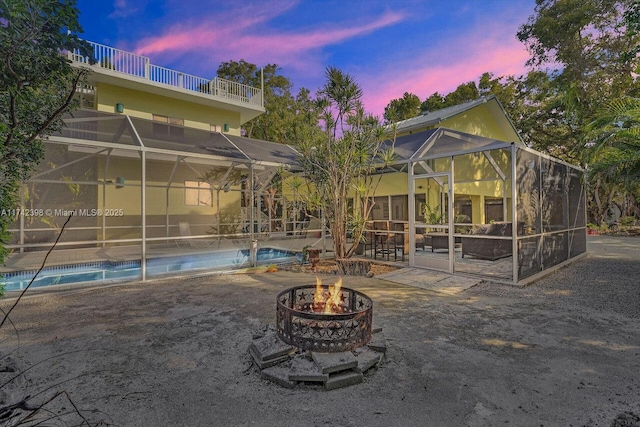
143,214
514,216
22,218
262,87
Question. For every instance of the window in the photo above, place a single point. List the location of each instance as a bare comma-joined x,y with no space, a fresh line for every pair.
160,119
462,207
380,209
165,127
215,128
400,208
493,210
197,193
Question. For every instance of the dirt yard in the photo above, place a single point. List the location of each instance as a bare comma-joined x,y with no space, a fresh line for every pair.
564,351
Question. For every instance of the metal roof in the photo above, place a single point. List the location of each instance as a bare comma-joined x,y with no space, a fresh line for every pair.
441,142
96,128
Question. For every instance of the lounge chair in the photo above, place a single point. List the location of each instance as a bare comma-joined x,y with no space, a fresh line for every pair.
185,231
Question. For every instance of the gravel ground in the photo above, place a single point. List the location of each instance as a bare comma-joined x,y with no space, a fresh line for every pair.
564,351
609,281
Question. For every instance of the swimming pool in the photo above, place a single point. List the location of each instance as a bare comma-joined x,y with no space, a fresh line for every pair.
112,271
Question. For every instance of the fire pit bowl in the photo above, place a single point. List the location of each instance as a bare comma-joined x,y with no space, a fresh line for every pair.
324,318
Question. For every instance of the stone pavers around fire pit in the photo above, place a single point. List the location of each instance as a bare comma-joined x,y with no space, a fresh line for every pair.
289,366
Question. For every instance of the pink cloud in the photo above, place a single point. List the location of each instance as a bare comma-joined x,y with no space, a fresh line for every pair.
289,44
244,37
475,53
211,31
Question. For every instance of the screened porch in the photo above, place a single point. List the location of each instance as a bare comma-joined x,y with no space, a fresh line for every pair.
461,203
146,199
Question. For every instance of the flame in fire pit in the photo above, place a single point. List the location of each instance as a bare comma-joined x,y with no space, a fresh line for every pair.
327,302
324,318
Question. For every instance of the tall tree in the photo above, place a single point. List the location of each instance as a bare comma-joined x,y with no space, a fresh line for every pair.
271,125
614,158
37,84
585,41
503,87
341,162
632,21
304,120
463,93
402,108
591,45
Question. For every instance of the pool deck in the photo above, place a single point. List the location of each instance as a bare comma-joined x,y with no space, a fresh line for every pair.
500,270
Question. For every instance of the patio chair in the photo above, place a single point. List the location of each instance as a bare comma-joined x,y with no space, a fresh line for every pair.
388,244
400,243
185,231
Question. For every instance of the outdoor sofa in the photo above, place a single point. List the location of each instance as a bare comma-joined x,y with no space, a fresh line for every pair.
485,247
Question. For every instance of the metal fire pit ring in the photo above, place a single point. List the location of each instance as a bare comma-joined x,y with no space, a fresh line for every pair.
298,325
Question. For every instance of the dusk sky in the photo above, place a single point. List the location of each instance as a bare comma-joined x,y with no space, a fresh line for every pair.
389,47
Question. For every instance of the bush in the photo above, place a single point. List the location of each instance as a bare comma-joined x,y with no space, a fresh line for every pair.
628,221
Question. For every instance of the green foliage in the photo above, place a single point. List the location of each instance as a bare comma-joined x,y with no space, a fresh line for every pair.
614,156
574,112
287,119
628,221
586,42
632,22
342,161
433,215
37,85
402,108
463,93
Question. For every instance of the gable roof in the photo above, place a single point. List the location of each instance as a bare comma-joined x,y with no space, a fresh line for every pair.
433,118
441,142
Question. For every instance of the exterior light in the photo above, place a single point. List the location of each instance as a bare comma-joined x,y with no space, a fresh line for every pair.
119,108
226,127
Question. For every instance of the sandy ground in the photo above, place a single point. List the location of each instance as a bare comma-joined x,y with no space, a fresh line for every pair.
564,351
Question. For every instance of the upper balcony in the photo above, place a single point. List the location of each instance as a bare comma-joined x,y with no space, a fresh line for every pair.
112,62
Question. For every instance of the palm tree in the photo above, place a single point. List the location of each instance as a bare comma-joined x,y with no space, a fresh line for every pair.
341,163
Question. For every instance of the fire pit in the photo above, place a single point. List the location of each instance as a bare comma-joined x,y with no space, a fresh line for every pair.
324,318
323,336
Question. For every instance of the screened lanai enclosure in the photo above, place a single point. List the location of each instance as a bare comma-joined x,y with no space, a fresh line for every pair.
461,203
146,199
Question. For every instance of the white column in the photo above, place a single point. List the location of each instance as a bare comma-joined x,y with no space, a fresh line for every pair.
143,214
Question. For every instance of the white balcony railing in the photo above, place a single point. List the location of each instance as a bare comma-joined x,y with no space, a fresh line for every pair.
137,65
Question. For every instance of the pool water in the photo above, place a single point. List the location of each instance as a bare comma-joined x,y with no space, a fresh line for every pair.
130,270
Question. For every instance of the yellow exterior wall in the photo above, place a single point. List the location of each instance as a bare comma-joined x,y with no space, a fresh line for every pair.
124,202
144,105
479,121
487,120
392,184
128,197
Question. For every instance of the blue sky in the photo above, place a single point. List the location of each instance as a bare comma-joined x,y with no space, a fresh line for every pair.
390,47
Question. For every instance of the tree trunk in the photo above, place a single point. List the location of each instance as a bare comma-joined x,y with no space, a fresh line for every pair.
354,267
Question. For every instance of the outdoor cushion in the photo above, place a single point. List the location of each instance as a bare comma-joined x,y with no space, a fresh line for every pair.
491,249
